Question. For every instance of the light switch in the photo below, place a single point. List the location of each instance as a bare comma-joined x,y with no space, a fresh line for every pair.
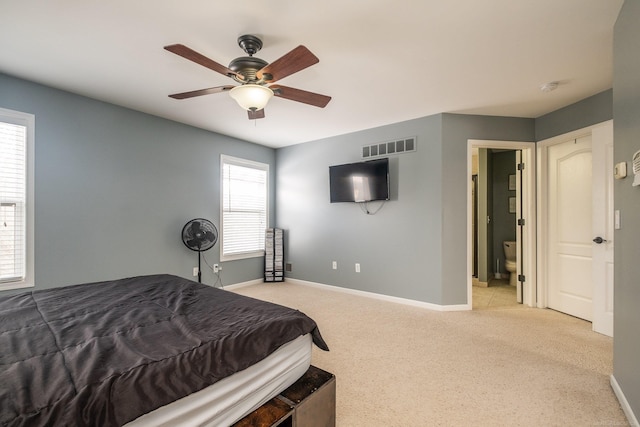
616,219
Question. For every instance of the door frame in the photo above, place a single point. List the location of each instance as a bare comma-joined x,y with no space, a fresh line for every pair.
529,212
542,181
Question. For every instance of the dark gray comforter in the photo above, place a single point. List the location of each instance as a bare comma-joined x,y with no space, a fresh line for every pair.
102,354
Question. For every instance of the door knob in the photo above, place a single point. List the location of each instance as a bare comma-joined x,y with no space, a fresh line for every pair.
599,240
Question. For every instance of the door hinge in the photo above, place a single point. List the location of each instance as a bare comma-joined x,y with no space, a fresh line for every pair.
521,222
520,166
521,278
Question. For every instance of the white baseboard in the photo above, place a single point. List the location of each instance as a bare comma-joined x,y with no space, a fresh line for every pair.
633,420
397,300
243,284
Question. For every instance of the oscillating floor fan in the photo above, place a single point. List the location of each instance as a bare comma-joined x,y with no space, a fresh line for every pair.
199,235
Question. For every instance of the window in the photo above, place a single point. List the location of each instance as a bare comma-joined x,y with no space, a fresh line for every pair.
16,199
244,208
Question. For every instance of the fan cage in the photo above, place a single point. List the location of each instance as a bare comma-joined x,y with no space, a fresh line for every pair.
191,238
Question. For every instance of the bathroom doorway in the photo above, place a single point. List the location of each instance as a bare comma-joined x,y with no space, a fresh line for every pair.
501,224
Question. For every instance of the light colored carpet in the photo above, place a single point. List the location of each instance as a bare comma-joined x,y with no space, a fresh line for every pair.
398,365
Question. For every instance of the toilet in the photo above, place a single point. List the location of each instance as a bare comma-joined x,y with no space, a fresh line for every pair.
510,263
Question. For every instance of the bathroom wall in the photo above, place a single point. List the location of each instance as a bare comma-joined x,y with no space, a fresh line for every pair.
494,168
504,222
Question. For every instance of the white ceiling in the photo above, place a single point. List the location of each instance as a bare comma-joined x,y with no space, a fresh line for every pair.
381,61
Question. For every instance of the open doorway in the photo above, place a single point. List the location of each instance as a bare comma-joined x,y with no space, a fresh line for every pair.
501,223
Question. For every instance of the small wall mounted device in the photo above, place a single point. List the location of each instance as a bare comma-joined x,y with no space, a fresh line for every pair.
636,169
620,170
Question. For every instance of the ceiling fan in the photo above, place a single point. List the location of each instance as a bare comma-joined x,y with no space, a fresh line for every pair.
255,76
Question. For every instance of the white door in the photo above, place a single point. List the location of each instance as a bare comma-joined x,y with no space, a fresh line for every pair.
580,227
519,227
569,232
602,148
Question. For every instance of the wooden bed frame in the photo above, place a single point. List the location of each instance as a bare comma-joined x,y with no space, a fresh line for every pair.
309,402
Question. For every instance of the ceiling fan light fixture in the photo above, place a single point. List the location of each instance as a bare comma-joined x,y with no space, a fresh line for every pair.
251,97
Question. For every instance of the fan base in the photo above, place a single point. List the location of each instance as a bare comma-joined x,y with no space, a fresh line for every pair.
248,66
250,44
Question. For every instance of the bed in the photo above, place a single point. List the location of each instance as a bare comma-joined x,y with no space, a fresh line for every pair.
148,351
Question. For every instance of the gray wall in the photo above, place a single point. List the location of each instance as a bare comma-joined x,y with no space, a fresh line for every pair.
594,109
113,188
626,112
415,246
398,248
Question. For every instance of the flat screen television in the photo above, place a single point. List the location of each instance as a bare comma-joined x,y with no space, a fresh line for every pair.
359,182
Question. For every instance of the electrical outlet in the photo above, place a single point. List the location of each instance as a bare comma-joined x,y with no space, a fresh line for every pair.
216,268
334,265
195,271
357,267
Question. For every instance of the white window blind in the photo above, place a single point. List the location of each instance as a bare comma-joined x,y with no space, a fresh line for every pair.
13,200
244,207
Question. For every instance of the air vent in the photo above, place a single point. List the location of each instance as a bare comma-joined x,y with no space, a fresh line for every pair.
399,146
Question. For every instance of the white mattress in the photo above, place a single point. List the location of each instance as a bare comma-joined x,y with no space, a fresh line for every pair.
230,399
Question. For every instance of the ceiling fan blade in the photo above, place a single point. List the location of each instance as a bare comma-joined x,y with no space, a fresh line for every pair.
259,114
198,58
300,95
292,62
201,92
